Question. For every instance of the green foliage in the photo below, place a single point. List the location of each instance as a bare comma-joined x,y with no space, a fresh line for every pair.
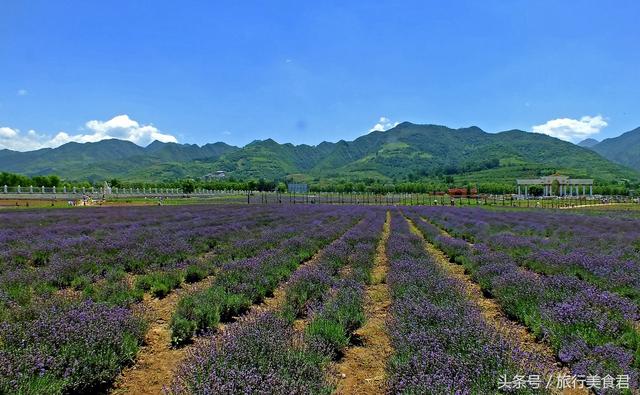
328,333
419,156
622,149
13,180
202,311
114,293
299,292
159,283
194,273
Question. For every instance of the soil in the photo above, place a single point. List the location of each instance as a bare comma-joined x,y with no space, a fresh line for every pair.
157,360
362,368
513,332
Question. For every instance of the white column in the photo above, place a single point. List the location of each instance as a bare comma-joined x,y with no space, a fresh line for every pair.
590,190
518,190
584,190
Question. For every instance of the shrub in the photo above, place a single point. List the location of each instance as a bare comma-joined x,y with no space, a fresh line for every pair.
203,311
160,283
80,282
68,348
114,293
328,333
195,273
257,354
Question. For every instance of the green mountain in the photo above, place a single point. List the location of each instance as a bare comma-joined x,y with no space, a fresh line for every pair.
588,143
115,158
624,149
408,152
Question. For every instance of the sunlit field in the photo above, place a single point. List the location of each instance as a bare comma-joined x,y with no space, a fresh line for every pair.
316,299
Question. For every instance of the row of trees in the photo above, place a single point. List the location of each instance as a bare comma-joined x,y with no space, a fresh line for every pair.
14,180
368,185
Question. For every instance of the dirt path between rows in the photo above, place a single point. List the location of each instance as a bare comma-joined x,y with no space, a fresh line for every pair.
157,360
362,368
513,332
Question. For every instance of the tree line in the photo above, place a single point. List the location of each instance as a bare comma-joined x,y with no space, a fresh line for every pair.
343,186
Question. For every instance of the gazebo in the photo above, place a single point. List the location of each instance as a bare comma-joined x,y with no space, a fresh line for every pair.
563,185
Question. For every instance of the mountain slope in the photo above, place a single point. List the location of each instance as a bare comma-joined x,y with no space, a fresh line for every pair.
624,149
112,158
407,152
588,143
426,150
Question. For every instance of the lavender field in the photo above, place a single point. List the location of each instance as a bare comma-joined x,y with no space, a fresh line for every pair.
319,299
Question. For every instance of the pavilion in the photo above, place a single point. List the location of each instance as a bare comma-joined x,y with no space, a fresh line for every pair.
564,186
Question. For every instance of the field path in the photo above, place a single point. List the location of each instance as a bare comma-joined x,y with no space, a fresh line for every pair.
515,333
157,360
362,368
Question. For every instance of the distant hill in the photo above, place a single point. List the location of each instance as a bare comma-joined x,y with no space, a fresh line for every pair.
408,152
624,149
588,143
114,158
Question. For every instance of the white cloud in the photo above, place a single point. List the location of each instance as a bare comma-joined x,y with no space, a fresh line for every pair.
22,92
120,127
383,124
7,133
572,129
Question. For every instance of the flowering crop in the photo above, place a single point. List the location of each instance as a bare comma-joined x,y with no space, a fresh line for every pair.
591,329
92,336
442,344
67,347
263,354
243,282
600,250
259,354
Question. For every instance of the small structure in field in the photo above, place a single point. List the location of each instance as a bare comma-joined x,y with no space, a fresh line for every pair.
214,176
297,188
462,192
556,185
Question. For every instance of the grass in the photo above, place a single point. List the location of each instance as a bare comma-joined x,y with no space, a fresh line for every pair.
160,283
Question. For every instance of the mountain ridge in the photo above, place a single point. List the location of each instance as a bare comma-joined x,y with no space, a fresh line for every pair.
624,149
407,152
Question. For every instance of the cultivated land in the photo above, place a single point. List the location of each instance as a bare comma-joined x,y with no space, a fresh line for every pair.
318,299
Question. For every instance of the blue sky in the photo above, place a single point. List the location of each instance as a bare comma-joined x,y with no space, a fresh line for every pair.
302,72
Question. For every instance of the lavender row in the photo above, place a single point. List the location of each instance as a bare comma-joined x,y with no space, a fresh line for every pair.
355,250
241,283
56,344
592,331
600,250
441,342
263,354
231,246
74,253
259,354
338,311
67,347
